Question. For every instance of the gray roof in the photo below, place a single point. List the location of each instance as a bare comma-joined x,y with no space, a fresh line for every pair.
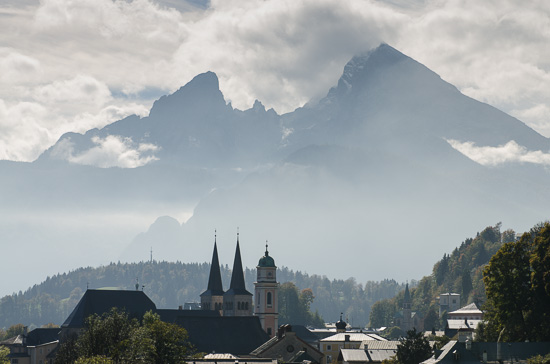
471,308
353,336
351,355
462,324
97,301
509,351
379,345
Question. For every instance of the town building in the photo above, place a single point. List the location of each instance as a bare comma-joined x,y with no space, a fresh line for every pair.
331,346
469,352
463,322
36,347
448,302
287,347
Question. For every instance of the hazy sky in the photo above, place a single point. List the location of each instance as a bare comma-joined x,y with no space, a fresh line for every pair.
74,65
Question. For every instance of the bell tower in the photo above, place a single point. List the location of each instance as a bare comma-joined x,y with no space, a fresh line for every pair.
266,294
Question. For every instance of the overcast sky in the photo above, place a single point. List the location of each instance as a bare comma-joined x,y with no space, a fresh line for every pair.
74,65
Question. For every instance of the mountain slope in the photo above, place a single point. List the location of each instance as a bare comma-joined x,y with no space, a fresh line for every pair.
363,173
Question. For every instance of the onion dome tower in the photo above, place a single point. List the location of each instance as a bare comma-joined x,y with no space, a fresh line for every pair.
341,325
266,293
212,298
237,301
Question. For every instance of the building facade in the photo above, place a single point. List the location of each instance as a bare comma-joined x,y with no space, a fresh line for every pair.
266,294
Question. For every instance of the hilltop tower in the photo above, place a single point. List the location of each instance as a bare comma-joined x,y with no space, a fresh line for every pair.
266,293
407,315
212,298
237,301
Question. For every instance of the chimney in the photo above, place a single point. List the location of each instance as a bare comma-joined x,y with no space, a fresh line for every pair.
280,332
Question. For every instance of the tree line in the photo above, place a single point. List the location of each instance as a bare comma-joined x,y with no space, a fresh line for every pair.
171,284
458,272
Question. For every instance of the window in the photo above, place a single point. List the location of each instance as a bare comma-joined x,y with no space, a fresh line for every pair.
329,359
269,304
329,347
269,331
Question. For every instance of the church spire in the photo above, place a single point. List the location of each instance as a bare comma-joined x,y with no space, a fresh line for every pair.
237,276
215,286
407,296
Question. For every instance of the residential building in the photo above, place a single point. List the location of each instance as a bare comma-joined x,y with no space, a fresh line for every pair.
448,302
288,347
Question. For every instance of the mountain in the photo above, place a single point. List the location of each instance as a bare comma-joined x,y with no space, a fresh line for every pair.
343,186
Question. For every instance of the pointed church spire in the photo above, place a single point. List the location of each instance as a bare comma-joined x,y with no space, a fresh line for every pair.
215,287
407,297
237,285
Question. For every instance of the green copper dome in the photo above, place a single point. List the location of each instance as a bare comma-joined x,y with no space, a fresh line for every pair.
266,260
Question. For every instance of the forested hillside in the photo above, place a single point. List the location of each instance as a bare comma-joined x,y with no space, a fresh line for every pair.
458,272
171,284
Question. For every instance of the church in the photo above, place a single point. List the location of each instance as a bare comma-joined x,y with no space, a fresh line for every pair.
228,321
237,301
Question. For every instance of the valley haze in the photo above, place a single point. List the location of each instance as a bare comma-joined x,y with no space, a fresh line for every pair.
378,179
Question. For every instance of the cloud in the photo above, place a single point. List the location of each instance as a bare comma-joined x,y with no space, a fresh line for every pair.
111,151
493,51
81,89
282,52
511,152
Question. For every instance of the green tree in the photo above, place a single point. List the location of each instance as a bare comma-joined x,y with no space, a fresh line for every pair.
115,338
4,352
108,334
170,341
14,330
413,349
99,359
394,333
382,313
466,284
539,359
431,320
517,283
294,306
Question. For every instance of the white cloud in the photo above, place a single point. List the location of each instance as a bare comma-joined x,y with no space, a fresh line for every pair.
281,52
111,151
511,152
79,90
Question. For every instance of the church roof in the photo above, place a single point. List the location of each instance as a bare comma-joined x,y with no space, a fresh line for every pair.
97,301
215,287
238,335
237,286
